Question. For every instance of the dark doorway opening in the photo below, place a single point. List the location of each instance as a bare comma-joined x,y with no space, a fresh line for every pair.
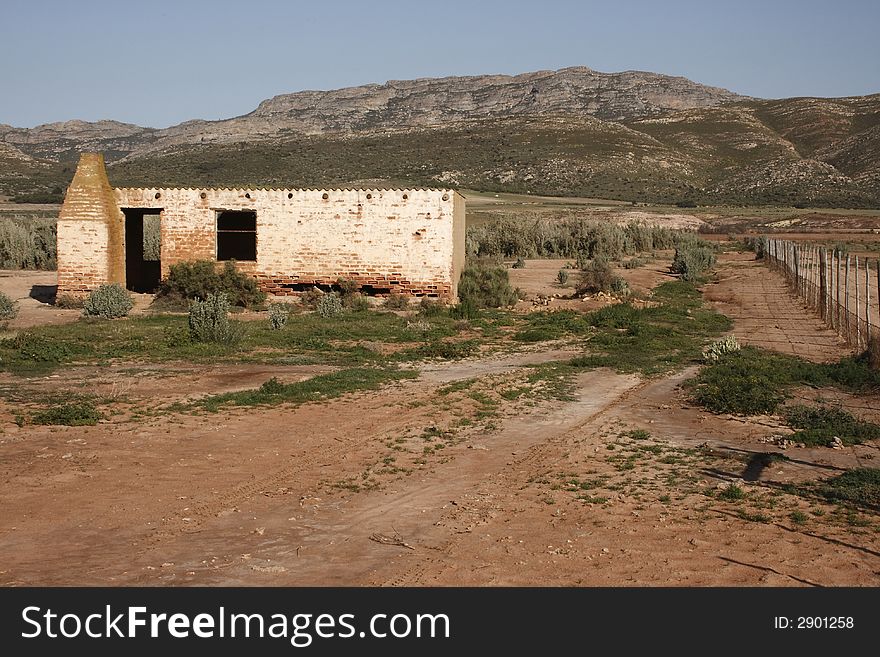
237,235
143,246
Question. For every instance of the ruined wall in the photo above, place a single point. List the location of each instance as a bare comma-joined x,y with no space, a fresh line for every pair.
410,241
91,247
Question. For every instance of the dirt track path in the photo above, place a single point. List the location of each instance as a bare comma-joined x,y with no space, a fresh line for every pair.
275,496
766,314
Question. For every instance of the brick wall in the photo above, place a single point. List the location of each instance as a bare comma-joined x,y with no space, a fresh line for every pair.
410,241
90,231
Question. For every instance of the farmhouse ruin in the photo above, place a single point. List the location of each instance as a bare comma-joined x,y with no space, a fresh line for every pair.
408,241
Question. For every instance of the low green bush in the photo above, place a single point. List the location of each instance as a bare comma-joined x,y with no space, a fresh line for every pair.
37,348
819,425
329,305
209,321
396,301
8,308
27,242
486,287
596,276
74,414
109,301
692,259
198,279
278,314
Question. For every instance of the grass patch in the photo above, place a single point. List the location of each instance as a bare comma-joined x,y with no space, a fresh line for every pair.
860,486
819,425
656,339
318,388
732,493
753,381
73,414
166,337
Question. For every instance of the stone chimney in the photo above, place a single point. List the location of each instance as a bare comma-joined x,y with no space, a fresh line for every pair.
91,231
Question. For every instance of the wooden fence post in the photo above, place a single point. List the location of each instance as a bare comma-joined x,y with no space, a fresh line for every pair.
823,284
867,304
858,313
839,286
846,296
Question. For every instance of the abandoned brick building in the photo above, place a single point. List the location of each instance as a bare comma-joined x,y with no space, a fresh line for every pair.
409,241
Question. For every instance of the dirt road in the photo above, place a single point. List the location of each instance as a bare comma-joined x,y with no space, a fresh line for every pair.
428,483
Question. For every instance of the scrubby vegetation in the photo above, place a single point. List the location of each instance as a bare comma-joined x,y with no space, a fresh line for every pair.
820,425
72,414
486,286
752,381
595,276
209,321
329,305
27,242
726,345
565,238
278,314
197,279
8,308
109,301
693,257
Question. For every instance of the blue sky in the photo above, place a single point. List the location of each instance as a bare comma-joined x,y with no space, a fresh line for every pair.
159,62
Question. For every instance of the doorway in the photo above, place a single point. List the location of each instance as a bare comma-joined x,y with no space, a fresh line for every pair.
143,249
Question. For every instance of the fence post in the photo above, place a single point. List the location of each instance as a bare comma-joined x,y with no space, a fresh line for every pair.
858,313
846,296
839,305
823,284
867,304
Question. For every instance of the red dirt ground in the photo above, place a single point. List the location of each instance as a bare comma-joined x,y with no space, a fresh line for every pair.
356,490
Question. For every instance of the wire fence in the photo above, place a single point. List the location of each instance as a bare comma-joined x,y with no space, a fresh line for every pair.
841,288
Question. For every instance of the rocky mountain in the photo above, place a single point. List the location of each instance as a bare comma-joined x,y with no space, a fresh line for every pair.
633,136
396,104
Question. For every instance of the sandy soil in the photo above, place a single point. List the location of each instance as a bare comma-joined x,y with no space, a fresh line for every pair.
35,293
423,484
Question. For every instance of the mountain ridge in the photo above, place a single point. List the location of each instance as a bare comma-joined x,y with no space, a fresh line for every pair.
631,135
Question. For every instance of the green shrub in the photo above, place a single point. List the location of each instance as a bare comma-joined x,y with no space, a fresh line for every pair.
8,308
465,310
38,348
272,387
633,263
108,301
758,245
562,277
347,288
75,414
198,279
564,238
329,305
27,243
356,302
70,301
859,486
819,425
278,314
595,277
726,345
732,492
486,287
619,286
209,321
692,259
396,301
431,307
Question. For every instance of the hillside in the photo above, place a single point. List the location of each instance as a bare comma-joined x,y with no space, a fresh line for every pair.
631,136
